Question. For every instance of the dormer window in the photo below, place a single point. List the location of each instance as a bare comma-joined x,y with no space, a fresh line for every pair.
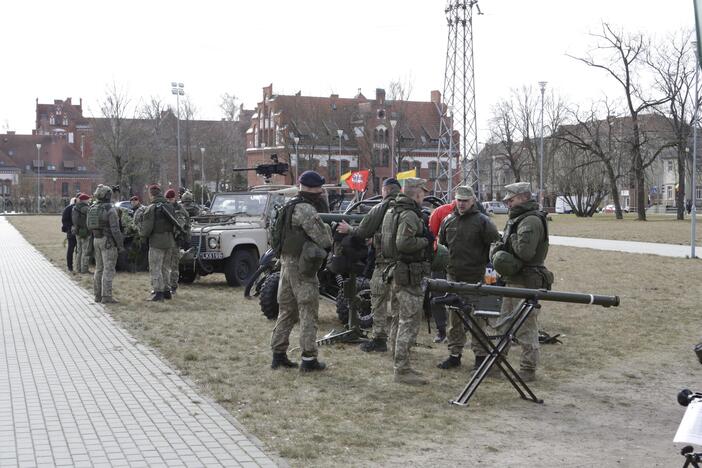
65,120
52,120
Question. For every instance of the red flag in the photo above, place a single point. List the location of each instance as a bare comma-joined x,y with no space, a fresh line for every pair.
358,180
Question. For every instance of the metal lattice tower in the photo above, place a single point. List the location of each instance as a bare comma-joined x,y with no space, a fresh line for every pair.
458,112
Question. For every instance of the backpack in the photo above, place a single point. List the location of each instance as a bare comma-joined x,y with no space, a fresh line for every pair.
93,217
282,215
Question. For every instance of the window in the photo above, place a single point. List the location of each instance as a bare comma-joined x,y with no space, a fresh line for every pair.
51,167
670,166
81,168
345,166
385,158
698,195
65,120
333,170
52,121
405,166
669,191
418,166
64,189
77,187
432,170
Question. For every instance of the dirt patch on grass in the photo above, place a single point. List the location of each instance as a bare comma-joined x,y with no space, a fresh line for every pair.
609,389
658,228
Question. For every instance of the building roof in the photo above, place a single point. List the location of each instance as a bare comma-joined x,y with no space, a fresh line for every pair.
21,152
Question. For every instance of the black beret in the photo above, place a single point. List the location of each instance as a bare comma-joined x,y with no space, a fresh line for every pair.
391,181
311,179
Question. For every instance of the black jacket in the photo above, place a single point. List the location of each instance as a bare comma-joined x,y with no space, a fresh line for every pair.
66,221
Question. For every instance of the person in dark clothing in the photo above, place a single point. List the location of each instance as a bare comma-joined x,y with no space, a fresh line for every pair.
66,225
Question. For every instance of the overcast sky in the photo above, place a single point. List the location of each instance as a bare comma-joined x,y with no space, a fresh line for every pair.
56,49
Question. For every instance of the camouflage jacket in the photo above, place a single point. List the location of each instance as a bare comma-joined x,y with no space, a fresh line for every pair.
306,218
371,226
409,242
529,241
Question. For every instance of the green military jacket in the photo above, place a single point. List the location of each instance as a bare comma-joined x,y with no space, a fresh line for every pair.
371,226
184,218
78,217
156,225
529,242
468,238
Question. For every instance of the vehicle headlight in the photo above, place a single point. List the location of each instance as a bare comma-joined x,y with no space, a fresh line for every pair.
213,243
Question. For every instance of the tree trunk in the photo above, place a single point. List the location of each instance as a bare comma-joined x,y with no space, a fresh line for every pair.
615,191
680,194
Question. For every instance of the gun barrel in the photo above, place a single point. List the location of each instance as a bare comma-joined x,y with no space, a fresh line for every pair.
338,217
436,285
243,169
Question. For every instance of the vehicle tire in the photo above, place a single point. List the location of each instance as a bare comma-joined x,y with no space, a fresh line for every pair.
365,315
268,298
186,276
240,267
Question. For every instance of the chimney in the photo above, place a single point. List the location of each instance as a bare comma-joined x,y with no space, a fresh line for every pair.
436,97
380,96
267,91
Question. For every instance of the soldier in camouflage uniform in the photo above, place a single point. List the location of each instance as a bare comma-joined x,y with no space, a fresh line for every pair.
370,227
298,289
158,227
468,235
189,204
107,243
181,238
409,245
80,229
519,258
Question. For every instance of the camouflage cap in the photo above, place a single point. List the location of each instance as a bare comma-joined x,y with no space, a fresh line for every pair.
187,196
515,189
414,182
464,192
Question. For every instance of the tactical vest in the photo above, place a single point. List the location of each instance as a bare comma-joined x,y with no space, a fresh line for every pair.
293,237
380,256
391,222
542,249
96,219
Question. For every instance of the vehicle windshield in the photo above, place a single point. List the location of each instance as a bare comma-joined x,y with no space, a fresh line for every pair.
249,204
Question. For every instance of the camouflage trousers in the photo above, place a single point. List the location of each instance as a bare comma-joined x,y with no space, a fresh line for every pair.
456,329
159,269
380,300
298,299
105,266
173,259
527,336
82,254
406,304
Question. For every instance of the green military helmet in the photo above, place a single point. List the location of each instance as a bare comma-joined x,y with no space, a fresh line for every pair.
102,192
506,264
441,258
187,196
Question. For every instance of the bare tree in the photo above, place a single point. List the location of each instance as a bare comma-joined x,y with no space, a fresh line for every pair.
674,65
229,104
599,138
622,57
116,136
504,134
157,135
580,178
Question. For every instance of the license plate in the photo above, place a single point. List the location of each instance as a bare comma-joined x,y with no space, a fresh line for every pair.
212,255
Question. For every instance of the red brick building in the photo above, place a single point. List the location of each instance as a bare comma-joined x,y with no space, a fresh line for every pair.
334,135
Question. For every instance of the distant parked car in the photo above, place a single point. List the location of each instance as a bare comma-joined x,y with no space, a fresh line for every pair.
495,207
610,209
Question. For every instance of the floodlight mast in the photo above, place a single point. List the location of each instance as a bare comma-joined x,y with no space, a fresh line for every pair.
457,110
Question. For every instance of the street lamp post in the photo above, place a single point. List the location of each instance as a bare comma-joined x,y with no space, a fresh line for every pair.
202,175
38,178
296,171
340,132
392,148
693,210
177,89
542,86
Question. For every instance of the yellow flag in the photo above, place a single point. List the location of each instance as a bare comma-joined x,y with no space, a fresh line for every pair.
406,174
345,176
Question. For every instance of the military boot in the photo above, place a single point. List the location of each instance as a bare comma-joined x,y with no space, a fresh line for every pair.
167,294
157,297
311,365
410,377
450,362
377,345
109,300
98,298
281,360
527,375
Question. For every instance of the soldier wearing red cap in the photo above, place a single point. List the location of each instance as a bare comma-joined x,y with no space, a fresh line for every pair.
182,237
79,217
159,228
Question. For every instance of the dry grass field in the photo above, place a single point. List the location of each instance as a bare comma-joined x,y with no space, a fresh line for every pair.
658,228
609,389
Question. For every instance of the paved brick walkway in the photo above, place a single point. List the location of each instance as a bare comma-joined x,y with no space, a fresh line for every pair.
77,390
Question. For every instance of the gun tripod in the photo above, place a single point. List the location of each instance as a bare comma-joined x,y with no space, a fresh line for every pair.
465,311
352,332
